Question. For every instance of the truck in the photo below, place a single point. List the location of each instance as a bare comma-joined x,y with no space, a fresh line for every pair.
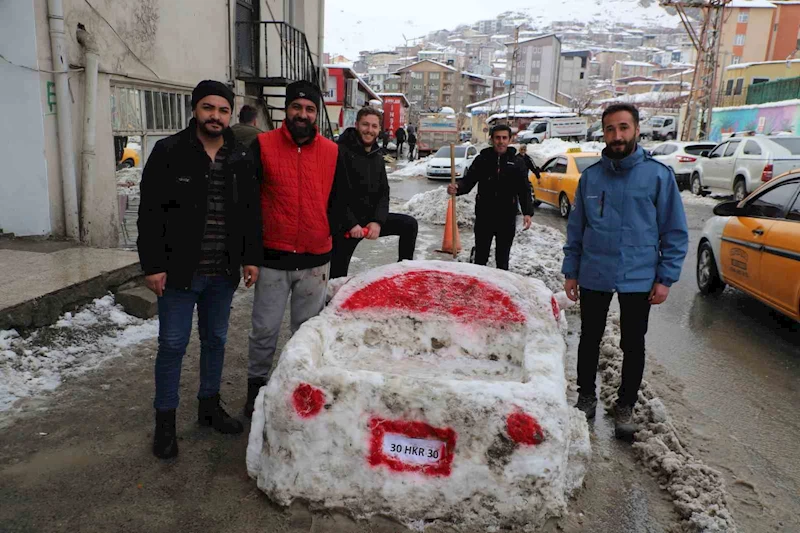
567,128
660,128
436,130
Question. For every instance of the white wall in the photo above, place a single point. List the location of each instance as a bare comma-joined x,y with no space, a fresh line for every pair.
24,198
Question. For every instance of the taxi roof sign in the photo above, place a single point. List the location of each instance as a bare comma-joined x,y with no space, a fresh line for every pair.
573,150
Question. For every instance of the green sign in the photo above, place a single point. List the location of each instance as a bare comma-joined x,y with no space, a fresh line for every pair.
51,96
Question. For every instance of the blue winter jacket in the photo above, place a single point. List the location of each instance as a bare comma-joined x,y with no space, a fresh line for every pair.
627,228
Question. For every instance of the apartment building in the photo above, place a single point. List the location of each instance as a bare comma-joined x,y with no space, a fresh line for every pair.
574,76
536,65
428,85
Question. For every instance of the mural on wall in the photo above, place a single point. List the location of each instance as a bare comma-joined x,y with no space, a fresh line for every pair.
773,119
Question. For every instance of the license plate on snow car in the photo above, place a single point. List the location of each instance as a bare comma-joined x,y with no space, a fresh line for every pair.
411,446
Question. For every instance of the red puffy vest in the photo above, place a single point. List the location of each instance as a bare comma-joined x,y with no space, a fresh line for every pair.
295,191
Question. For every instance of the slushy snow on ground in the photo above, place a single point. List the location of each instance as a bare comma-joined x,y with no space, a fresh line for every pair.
540,153
128,180
698,491
413,168
712,199
75,344
431,206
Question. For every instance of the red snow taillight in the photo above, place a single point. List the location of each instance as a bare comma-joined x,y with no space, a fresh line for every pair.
556,309
767,174
686,159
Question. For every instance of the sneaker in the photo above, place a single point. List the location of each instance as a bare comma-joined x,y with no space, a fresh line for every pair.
210,413
624,428
587,404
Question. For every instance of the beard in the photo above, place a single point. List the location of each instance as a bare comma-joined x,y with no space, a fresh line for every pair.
204,127
300,128
629,147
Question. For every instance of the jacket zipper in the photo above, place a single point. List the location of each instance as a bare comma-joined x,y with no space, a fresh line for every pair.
602,203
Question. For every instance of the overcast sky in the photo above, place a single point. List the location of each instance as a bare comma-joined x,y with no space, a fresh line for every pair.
350,28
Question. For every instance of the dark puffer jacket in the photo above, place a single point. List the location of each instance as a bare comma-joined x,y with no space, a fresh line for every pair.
502,181
367,197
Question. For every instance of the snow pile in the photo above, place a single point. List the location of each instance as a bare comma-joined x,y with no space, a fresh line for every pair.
698,491
75,344
414,168
128,180
449,407
540,153
536,253
431,207
711,200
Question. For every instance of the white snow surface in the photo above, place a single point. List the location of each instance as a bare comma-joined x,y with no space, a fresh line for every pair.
77,343
598,13
711,200
540,153
431,206
698,491
128,180
423,366
413,168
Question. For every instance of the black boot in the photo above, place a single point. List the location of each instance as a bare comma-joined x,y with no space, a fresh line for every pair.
253,386
210,413
165,439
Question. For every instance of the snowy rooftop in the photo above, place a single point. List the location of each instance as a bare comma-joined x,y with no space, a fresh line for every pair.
745,65
646,98
635,63
752,4
522,111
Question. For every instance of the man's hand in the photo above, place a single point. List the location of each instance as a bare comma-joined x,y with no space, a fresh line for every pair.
156,283
356,232
659,293
250,275
571,288
373,231
526,222
452,189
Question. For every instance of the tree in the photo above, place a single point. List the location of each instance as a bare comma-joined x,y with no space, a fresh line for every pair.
582,99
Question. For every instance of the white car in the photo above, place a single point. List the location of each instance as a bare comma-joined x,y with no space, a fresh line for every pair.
741,164
423,390
681,157
438,166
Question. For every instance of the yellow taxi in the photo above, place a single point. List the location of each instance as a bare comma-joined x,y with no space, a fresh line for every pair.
559,181
754,245
130,158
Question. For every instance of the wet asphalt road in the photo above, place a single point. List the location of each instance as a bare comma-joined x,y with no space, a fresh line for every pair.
729,367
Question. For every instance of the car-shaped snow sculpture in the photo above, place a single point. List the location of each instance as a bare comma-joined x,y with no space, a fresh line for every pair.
425,391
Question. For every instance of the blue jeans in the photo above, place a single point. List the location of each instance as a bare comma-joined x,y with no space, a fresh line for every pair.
213,296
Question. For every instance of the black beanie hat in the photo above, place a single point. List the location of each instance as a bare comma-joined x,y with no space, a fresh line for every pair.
209,88
303,89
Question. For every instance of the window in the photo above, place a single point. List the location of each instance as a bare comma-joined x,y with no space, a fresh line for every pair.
660,150
736,60
744,17
697,149
560,167
581,76
737,90
126,111
548,167
756,81
585,162
670,149
772,203
416,75
719,150
729,88
794,212
434,75
731,149
752,148
790,143
739,39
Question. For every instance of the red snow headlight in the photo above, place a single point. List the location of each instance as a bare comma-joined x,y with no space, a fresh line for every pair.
308,401
524,429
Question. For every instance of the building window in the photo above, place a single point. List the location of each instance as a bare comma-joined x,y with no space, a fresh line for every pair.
729,88
739,40
736,60
581,76
416,75
744,17
738,89
434,75
756,81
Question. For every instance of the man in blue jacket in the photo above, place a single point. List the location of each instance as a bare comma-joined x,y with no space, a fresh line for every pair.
627,234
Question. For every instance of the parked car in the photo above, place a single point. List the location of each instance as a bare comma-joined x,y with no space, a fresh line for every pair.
741,164
659,128
559,179
439,165
595,131
567,128
754,245
681,157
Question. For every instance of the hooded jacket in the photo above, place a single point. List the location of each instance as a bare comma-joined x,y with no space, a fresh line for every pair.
502,182
367,186
174,200
628,228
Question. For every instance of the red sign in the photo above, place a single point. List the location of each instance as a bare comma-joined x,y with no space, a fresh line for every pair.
394,113
405,446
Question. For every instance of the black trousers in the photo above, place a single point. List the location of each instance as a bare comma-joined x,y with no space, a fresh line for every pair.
411,151
399,150
634,316
502,230
396,224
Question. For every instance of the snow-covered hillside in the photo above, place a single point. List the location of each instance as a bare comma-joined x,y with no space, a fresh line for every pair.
642,13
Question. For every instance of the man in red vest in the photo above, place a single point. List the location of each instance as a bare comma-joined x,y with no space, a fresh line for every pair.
297,170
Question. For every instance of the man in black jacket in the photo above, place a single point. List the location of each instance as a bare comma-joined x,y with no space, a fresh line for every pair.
400,138
199,223
502,180
365,203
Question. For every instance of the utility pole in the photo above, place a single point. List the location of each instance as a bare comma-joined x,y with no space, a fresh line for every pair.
512,75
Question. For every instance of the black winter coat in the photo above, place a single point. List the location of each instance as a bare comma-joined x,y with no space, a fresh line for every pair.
502,181
365,197
174,200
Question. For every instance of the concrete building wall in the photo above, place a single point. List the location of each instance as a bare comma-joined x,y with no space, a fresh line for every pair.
24,188
537,66
786,31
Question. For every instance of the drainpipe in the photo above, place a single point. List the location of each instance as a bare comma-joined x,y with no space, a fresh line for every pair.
88,156
58,48
232,43
321,42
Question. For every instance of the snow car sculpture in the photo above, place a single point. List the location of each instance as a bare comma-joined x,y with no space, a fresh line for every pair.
425,391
